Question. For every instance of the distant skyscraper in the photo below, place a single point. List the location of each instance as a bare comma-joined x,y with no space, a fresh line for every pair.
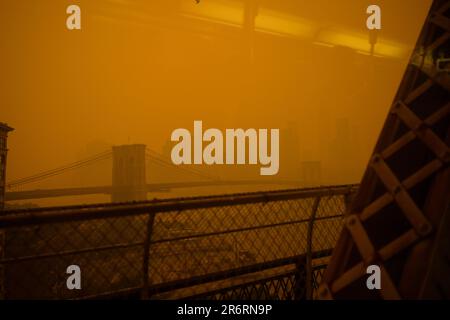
290,153
311,173
344,153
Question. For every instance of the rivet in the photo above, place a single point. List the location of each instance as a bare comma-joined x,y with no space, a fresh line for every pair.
351,221
397,190
425,229
376,158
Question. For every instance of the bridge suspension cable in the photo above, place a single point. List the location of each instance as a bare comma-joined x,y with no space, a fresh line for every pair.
159,159
150,155
60,170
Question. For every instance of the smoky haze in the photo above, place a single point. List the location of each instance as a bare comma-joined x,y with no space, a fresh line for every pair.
140,69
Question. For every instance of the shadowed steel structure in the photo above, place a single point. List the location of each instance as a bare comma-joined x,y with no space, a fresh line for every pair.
400,219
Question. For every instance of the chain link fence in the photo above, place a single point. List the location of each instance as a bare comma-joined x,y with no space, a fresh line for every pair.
271,245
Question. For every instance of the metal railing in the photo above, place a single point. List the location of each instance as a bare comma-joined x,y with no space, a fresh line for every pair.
265,245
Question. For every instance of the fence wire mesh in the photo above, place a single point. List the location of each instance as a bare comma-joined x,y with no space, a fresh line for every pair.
235,248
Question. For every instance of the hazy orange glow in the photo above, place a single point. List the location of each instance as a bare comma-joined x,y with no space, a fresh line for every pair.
140,69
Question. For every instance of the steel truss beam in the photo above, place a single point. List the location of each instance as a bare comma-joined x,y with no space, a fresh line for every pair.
399,219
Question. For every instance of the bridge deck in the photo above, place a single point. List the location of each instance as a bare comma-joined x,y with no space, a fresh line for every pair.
149,187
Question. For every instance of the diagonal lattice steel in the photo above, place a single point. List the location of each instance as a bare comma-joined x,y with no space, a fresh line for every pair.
258,245
400,218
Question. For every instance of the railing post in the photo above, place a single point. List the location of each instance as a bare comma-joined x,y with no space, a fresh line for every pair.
2,265
146,258
300,279
309,269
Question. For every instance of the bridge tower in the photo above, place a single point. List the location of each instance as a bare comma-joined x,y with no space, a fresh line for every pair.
4,129
128,173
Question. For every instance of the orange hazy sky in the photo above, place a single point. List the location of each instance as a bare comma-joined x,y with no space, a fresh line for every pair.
139,69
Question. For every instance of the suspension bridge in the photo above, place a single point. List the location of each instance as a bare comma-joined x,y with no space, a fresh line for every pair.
129,163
